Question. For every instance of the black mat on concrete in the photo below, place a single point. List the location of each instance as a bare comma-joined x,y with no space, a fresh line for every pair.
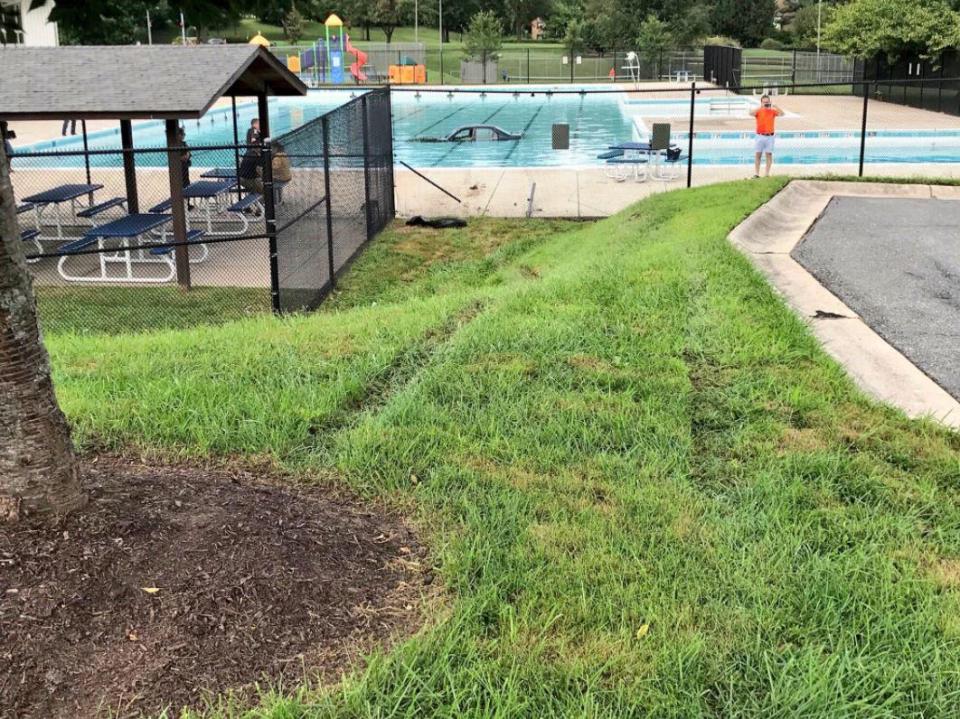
896,263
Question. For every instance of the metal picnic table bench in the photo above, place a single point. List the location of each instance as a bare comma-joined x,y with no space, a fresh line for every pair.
56,196
128,230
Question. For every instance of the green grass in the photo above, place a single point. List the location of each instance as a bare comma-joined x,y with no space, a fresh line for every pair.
647,489
407,262
116,310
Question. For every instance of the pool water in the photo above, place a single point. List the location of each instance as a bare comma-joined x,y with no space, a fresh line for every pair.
596,121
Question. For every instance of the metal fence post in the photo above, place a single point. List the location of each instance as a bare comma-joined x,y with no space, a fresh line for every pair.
366,165
571,67
863,125
270,217
441,65
393,180
528,65
326,189
693,99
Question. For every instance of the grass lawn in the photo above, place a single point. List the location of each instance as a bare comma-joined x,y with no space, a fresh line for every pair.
647,489
114,310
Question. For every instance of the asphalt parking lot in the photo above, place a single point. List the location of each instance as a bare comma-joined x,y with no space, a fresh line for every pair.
896,263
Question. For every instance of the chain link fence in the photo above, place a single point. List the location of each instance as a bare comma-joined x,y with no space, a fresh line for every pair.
267,227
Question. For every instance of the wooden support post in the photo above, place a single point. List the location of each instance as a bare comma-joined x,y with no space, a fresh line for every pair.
129,166
263,114
182,252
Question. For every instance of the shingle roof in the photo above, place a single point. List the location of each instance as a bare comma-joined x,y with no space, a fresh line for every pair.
154,81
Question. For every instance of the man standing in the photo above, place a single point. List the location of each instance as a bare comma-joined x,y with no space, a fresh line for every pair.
253,132
766,115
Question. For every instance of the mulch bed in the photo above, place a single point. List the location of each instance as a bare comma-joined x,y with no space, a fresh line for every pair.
176,582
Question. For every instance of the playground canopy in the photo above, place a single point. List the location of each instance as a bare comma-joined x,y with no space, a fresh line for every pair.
135,82
141,82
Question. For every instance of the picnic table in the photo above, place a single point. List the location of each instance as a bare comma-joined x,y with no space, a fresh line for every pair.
57,196
212,208
639,156
131,233
229,173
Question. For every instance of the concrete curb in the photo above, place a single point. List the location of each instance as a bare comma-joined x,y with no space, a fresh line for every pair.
767,238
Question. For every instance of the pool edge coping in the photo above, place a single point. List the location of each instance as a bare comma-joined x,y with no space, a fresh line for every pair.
766,239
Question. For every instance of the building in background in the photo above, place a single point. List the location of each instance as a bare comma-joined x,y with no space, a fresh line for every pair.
36,28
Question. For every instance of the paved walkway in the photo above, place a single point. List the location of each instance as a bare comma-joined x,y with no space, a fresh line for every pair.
769,236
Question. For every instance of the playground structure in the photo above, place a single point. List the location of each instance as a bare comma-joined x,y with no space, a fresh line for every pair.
324,60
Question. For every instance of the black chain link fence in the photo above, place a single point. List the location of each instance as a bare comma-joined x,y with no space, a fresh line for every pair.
342,195
97,223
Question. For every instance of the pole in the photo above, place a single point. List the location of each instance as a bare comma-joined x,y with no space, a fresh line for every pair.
441,31
86,158
528,65
270,218
366,167
183,29
149,30
129,168
182,252
416,21
236,146
325,122
693,99
819,13
863,126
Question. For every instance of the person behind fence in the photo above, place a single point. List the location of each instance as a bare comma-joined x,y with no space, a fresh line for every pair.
253,132
281,169
766,116
249,172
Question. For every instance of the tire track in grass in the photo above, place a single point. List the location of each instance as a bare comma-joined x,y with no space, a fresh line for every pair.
393,378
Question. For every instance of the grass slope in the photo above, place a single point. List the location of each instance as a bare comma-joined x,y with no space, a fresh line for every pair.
649,491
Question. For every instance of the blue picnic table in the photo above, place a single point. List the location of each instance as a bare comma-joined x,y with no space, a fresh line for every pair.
57,196
131,231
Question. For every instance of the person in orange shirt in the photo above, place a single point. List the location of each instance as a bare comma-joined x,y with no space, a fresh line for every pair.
766,115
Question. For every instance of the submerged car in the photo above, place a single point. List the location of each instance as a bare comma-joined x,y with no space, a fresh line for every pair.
475,133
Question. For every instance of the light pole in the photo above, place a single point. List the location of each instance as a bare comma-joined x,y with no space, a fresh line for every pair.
183,30
149,30
819,13
416,20
441,25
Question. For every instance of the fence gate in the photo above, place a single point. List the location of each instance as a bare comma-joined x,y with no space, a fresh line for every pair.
721,65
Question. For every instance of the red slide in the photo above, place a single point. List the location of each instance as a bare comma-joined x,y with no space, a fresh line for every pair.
356,68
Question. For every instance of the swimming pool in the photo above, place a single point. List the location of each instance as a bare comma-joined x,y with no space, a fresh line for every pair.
596,120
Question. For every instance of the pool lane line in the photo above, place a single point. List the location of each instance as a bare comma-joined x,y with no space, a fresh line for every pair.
457,144
442,119
516,143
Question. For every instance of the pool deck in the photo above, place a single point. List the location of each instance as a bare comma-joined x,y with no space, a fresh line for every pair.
588,192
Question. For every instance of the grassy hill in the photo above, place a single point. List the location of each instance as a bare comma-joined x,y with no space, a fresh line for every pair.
646,488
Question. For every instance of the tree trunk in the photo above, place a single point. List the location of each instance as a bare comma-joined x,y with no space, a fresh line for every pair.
366,31
388,32
39,473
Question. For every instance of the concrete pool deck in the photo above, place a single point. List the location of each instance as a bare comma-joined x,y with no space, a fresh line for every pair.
588,192
769,236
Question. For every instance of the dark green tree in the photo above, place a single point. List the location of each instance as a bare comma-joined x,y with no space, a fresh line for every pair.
293,24
653,40
749,21
484,36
